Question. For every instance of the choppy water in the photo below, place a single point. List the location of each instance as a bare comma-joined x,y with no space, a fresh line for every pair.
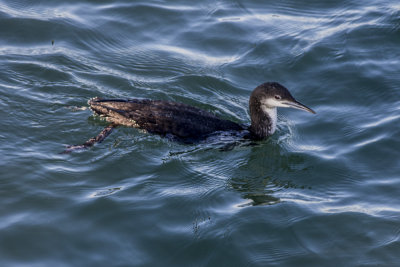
323,191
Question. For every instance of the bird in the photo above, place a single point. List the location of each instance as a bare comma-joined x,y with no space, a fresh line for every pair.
190,124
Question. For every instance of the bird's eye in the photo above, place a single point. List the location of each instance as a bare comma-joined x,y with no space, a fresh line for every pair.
278,97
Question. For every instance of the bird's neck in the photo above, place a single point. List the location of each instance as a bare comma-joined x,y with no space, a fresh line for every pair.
263,121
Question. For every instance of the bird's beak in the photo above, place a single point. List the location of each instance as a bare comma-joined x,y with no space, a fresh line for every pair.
298,105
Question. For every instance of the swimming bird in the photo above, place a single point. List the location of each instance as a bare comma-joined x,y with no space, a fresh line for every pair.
188,123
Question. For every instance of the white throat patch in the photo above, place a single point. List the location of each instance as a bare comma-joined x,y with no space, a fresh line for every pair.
272,113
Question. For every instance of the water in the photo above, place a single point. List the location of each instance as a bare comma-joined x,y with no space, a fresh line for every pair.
323,191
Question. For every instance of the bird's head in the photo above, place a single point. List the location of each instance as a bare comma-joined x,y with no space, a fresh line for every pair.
272,95
263,103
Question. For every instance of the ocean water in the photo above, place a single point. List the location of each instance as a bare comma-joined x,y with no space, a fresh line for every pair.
322,191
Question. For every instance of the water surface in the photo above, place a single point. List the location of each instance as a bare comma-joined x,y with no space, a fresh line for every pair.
323,191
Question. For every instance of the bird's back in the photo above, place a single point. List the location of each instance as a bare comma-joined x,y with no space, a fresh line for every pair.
162,117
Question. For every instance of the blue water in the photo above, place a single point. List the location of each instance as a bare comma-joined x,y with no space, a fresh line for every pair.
322,191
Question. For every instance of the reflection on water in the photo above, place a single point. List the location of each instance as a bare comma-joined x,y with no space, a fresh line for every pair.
270,176
105,192
263,191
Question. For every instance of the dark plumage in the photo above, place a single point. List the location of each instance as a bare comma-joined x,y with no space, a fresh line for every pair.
162,117
189,123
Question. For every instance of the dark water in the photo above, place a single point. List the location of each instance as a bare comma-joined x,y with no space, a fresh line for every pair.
323,191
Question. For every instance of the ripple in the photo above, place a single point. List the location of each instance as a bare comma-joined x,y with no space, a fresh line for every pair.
382,121
370,141
28,11
105,192
196,55
366,209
